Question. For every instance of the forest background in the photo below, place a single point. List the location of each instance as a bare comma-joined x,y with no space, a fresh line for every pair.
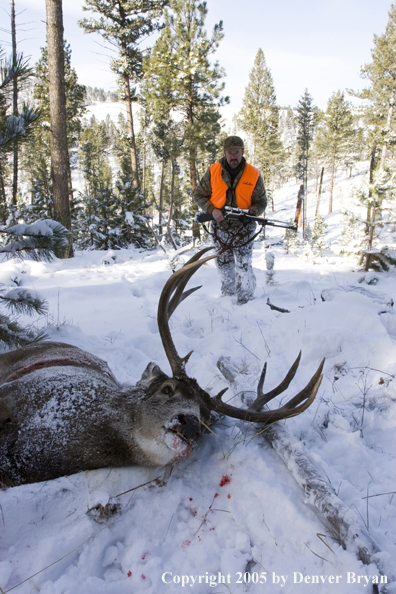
130,181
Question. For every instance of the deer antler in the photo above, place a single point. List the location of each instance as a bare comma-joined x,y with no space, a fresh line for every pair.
293,407
172,294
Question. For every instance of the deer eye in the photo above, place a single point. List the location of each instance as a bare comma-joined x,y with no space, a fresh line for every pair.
167,390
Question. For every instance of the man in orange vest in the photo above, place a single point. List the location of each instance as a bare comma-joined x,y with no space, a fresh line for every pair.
233,182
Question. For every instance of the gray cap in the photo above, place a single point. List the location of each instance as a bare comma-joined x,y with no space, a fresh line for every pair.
233,142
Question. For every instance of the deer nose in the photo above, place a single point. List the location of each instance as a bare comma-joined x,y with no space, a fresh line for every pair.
190,426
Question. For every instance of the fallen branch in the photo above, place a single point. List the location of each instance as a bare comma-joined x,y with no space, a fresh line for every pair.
277,308
343,523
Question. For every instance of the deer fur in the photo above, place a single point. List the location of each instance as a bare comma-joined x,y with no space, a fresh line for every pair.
62,411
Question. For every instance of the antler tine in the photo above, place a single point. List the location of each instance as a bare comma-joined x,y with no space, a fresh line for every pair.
305,393
182,280
292,408
167,305
264,398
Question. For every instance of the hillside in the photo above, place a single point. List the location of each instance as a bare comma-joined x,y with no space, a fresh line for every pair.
234,507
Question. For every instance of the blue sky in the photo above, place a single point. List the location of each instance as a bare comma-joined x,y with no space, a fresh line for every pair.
308,44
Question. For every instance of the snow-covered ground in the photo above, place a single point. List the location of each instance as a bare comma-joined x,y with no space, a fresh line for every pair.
232,510
103,109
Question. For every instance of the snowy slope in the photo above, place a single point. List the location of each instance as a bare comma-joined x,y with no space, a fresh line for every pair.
233,507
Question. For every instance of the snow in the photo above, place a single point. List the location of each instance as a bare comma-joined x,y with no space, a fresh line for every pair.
43,227
232,512
102,109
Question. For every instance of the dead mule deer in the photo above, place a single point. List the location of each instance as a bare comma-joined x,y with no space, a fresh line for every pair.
62,411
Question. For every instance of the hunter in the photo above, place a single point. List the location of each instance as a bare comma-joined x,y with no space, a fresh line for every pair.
233,182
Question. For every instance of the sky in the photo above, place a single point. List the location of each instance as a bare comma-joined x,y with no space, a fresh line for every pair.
320,46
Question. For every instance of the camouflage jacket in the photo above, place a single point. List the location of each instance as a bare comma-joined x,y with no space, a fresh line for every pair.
204,191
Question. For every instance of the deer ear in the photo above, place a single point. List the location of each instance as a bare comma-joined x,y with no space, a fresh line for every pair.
151,374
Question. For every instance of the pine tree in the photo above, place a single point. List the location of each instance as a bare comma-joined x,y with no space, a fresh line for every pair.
288,135
381,73
12,128
99,220
318,240
259,118
165,138
379,115
133,200
37,159
334,134
75,94
124,24
180,67
305,132
39,241
37,163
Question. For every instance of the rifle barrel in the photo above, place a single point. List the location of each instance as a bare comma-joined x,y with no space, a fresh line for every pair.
202,217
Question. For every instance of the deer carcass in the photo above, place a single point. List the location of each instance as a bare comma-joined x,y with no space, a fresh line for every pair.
62,411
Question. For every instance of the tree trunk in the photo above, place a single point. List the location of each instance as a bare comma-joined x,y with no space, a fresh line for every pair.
57,105
14,106
343,523
70,186
370,219
131,130
388,126
193,172
193,181
300,199
161,198
305,207
143,161
171,200
3,198
319,192
332,173
370,237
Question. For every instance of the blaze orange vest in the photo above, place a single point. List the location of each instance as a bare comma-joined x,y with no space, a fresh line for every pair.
243,191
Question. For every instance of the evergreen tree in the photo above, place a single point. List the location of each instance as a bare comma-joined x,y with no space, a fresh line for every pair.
37,159
37,162
381,73
166,137
124,24
12,128
75,94
132,199
378,116
334,134
305,132
99,220
179,74
288,135
259,118
318,240
39,241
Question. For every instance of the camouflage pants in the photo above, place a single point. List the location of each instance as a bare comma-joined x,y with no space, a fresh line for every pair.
234,264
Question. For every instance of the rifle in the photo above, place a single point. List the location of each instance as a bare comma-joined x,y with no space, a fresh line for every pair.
238,214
